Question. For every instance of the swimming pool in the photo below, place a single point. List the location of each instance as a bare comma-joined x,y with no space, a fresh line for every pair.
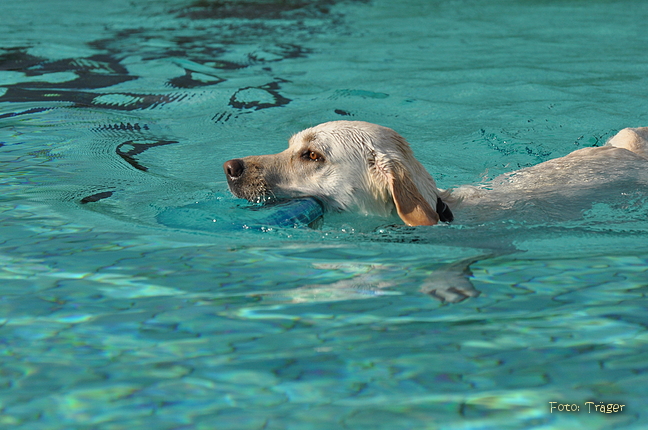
113,112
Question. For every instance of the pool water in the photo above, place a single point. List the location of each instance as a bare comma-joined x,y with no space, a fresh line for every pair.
113,113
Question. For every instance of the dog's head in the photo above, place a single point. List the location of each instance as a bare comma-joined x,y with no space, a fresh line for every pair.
347,165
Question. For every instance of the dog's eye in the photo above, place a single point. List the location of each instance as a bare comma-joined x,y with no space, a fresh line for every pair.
312,155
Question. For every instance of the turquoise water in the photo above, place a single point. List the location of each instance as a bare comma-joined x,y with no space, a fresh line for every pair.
112,113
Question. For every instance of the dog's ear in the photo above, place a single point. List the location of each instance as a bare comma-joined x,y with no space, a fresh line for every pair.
412,207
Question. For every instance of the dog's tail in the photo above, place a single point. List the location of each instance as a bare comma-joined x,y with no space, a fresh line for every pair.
632,139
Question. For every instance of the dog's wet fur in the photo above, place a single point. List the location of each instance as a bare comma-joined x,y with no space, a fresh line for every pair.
370,169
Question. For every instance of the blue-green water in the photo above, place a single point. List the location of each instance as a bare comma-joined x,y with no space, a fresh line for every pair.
113,112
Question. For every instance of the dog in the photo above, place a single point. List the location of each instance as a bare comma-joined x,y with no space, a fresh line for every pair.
370,169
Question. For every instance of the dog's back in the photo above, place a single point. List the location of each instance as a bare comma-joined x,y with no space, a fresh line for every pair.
564,187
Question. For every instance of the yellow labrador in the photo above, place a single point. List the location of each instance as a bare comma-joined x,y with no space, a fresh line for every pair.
367,168
363,167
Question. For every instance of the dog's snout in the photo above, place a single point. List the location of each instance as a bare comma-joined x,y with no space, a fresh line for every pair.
234,168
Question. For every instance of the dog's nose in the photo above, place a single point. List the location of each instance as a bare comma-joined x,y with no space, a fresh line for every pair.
234,168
